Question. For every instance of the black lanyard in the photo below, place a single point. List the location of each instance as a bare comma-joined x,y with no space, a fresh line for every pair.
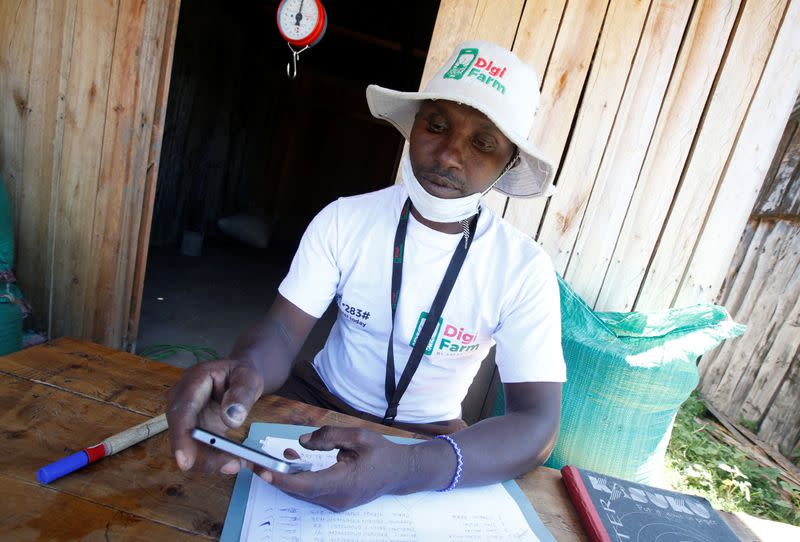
394,393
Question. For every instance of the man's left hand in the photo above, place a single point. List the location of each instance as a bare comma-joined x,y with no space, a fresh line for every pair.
367,467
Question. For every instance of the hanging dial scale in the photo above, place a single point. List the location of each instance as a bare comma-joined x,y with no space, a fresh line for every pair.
302,24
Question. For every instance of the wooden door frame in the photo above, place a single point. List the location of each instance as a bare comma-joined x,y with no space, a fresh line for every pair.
135,288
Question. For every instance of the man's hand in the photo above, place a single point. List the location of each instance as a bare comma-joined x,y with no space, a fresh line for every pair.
368,466
216,395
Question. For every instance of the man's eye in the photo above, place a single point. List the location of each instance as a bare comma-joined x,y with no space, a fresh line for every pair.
436,126
484,144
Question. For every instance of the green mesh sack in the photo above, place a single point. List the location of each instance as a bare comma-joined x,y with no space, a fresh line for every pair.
627,374
12,311
6,229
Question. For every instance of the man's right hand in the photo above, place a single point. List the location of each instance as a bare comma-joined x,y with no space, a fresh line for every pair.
217,396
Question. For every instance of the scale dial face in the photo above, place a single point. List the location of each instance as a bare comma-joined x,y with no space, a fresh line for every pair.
301,22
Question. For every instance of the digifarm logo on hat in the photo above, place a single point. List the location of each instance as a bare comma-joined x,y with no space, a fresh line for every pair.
497,83
468,62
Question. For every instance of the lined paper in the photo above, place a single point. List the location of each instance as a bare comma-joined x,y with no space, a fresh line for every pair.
463,515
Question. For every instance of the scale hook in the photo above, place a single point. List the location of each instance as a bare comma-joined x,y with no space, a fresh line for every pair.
291,67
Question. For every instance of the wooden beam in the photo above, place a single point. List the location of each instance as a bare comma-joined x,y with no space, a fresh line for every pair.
152,71
153,162
85,118
17,29
782,349
595,119
101,315
53,225
779,200
766,454
698,62
52,43
133,90
563,84
743,65
627,147
768,284
460,20
781,425
743,294
538,28
536,36
755,372
747,167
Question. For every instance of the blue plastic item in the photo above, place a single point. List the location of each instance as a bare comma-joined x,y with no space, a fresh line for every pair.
62,467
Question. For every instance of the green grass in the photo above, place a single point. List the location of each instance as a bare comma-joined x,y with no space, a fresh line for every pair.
699,464
749,424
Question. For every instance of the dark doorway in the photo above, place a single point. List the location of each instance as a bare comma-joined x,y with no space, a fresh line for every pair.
244,144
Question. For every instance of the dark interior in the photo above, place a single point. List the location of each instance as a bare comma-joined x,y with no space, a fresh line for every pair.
240,137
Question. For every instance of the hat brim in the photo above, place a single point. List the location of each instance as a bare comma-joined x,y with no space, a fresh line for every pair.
532,177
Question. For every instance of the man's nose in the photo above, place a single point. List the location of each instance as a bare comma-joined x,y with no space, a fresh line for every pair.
452,152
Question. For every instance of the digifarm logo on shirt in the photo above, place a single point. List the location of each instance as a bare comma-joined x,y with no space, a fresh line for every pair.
469,63
454,340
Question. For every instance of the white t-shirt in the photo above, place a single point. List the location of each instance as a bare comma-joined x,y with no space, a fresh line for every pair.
506,293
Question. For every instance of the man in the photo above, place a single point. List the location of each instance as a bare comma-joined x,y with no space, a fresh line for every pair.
422,267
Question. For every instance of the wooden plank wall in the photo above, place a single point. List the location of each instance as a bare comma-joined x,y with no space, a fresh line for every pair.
755,379
663,116
646,107
81,106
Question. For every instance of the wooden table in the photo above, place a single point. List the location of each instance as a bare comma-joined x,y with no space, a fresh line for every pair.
67,394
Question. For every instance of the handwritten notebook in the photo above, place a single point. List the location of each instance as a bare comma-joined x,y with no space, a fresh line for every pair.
260,512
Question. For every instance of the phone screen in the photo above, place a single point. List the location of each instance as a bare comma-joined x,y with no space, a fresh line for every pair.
249,454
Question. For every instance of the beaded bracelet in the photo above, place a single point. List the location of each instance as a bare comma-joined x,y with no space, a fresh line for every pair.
459,463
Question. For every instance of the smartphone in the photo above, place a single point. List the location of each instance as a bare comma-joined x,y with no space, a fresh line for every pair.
249,454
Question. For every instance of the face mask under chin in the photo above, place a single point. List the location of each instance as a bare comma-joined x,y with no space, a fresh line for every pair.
435,208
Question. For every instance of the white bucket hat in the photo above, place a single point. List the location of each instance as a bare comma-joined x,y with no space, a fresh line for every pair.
494,81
